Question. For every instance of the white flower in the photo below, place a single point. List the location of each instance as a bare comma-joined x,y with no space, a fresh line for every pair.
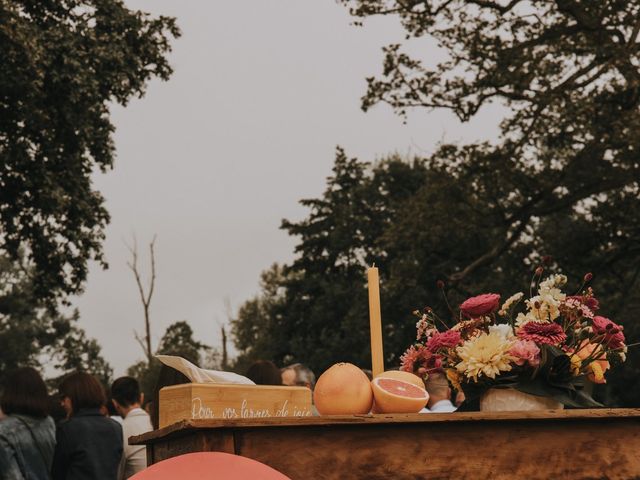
543,308
523,318
487,353
502,329
509,302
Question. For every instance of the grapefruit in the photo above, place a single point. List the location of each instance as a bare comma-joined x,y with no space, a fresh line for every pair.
397,396
343,389
404,376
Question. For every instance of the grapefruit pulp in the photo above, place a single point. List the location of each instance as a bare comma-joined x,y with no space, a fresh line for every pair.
402,375
343,389
397,396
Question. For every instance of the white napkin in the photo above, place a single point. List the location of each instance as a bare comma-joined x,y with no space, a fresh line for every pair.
201,375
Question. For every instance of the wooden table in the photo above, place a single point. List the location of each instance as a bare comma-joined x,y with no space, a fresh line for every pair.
558,444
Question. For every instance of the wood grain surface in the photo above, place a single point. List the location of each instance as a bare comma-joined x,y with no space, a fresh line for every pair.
203,401
569,444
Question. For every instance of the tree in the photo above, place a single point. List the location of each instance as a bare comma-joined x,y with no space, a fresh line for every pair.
145,297
63,64
32,334
177,340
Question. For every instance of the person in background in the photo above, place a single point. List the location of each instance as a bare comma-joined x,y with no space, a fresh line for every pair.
27,432
89,445
112,413
127,400
298,375
264,372
439,394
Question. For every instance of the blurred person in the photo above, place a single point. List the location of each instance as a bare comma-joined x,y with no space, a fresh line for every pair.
56,410
298,375
89,445
112,413
127,400
264,372
439,394
27,432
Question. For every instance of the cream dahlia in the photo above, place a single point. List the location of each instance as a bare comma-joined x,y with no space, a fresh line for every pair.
486,354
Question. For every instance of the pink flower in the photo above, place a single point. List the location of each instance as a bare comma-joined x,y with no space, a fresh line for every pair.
481,305
525,351
448,339
588,301
544,333
613,336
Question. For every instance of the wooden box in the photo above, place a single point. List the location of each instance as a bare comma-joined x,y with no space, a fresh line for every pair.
208,401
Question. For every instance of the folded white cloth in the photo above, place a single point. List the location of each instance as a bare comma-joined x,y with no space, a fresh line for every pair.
201,375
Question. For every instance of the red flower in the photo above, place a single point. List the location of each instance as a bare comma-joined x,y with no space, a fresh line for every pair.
543,333
613,336
481,305
417,359
448,339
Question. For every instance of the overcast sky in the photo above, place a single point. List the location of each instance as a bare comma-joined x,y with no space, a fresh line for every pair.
213,159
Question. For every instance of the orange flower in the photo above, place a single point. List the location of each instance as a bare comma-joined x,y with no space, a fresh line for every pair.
599,364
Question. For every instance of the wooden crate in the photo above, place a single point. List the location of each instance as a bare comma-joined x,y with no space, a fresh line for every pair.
208,401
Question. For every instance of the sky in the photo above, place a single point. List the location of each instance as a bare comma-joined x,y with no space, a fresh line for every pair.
212,160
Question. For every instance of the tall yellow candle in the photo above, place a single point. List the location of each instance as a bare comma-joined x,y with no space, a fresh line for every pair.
375,322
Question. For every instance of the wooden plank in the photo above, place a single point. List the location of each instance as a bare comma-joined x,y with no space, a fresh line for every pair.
186,426
206,401
575,449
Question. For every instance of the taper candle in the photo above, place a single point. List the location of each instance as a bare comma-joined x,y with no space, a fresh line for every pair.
375,322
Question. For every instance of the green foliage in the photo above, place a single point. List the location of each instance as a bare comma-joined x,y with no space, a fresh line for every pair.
63,64
177,340
33,335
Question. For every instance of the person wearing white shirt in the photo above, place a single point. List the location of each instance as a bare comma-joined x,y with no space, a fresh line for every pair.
127,400
439,394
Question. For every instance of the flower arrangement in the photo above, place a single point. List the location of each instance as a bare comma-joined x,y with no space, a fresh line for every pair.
547,345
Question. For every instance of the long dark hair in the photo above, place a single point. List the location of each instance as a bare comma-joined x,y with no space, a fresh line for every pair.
25,393
84,391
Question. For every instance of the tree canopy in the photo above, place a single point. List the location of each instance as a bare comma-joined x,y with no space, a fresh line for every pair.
64,63
568,73
33,335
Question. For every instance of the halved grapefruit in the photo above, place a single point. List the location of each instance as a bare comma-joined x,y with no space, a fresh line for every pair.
397,396
404,376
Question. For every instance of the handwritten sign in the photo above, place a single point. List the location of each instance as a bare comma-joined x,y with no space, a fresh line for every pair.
204,401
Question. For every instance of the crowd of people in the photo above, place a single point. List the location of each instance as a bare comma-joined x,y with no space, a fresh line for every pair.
81,433
72,435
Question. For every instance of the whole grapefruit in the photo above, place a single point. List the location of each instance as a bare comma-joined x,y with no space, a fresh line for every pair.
401,375
397,396
343,389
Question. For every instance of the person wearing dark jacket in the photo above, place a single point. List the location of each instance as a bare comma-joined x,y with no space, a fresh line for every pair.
89,445
27,432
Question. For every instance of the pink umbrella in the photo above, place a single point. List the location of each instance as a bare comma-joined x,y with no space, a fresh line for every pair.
209,466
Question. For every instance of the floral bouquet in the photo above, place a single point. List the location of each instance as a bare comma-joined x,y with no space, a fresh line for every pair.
548,345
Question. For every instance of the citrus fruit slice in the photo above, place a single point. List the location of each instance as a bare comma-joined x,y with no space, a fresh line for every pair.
404,376
397,396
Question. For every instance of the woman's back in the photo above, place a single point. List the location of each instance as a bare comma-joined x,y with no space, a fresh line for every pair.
89,446
26,447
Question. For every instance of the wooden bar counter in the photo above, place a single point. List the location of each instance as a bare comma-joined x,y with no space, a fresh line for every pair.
553,444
